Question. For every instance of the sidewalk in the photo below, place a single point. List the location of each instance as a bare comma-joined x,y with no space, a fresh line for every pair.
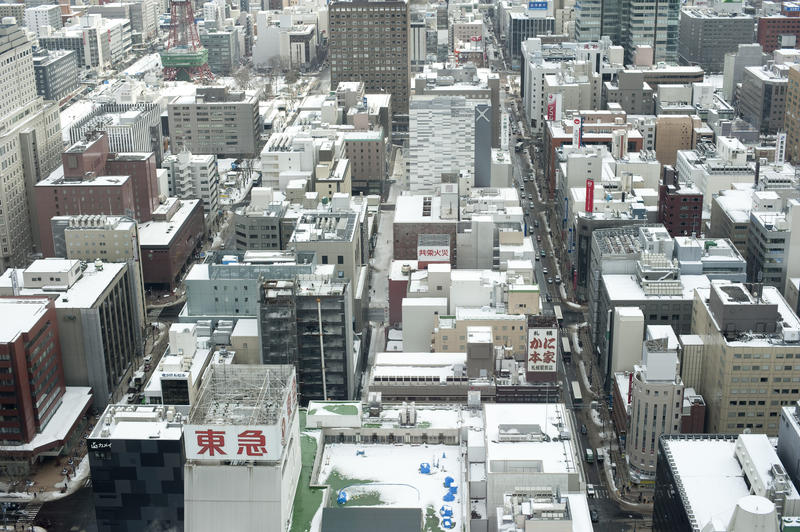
50,479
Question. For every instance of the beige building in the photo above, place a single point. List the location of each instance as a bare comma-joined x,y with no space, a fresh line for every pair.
366,151
751,356
508,330
675,133
791,120
656,400
369,43
332,177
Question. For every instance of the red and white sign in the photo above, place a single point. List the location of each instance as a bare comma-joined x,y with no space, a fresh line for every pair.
433,253
590,195
542,350
577,131
553,107
261,443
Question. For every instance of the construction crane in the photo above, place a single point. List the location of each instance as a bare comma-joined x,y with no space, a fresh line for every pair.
185,58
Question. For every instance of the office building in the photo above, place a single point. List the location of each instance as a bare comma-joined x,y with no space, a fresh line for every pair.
142,14
789,440
40,17
136,458
194,177
707,35
99,324
735,62
369,43
656,399
129,127
762,97
644,23
99,42
366,152
56,73
728,483
258,225
780,30
773,256
748,333
222,43
446,134
630,91
170,240
216,121
242,446
30,144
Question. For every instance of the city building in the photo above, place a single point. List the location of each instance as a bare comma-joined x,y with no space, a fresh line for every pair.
56,73
222,43
772,258
99,323
792,116
242,447
192,176
142,14
136,458
680,207
380,32
336,237
366,152
170,240
259,224
39,416
762,97
99,42
216,121
30,144
630,90
735,62
730,483
751,327
779,30
40,17
129,127
714,167
656,399
706,35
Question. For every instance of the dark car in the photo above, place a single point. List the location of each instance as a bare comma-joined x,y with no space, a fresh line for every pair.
594,515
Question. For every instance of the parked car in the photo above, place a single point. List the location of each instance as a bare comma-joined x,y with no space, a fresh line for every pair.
594,515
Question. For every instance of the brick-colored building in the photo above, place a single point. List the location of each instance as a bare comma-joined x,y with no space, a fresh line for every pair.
680,208
774,29
416,215
168,242
31,374
366,151
89,194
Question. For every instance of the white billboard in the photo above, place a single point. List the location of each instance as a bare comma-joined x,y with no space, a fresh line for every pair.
542,349
433,253
260,443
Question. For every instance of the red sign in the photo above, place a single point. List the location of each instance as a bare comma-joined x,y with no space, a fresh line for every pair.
589,196
551,107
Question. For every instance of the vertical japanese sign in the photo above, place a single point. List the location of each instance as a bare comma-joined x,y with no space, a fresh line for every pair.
542,350
577,131
590,195
232,442
553,107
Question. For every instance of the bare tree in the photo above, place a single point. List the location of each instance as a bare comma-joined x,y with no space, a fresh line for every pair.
243,77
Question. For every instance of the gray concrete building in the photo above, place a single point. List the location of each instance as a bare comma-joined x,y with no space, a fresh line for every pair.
707,35
631,91
222,43
762,97
369,43
259,226
40,17
216,121
735,62
56,73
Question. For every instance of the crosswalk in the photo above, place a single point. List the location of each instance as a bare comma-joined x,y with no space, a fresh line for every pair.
29,513
601,493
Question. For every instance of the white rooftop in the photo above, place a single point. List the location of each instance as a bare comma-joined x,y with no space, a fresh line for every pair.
161,232
19,315
555,456
140,422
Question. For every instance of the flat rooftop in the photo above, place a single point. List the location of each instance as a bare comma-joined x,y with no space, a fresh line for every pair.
20,315
555,456
140,422
84,293
157,233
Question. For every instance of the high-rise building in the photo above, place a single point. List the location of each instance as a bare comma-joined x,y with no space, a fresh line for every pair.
369,43
707,35
39,17
30,144
650,23
56,73
792,114
762,97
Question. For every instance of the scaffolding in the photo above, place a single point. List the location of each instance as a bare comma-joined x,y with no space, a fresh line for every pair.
242,395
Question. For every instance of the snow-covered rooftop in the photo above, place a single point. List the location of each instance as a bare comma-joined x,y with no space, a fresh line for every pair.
20,315
122,422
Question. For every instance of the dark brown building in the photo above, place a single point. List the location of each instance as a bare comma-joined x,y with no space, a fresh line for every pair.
369,42
168,242
680,208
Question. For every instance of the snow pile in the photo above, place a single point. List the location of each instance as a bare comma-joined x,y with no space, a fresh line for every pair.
596,417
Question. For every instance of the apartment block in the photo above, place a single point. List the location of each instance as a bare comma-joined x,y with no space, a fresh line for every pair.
216,121
364,34
192,176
